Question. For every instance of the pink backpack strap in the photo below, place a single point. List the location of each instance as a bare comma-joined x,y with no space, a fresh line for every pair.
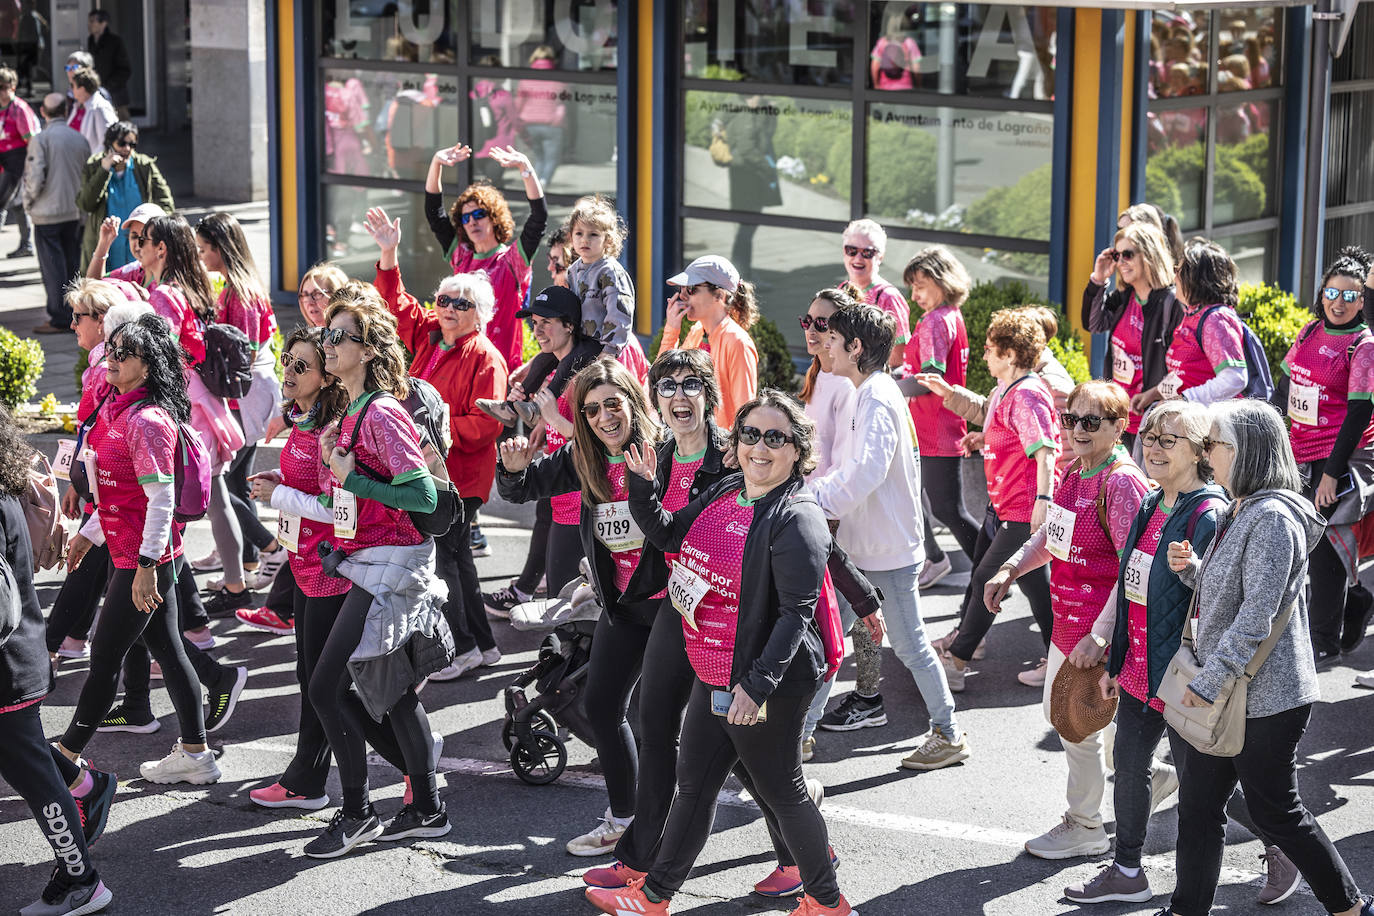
832,632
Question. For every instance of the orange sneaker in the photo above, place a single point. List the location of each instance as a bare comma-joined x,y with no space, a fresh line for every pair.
812,907
617,874
629,900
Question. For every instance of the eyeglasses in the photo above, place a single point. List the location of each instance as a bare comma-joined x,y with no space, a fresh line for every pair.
691,386
120,354
317,295
1166,441
127,144
471,215
1209,443
853,251
77,316
773,438
1125,254
136,239
334,336
593,410
454,302
295,366
1091,422
70,67
820,324
1331,294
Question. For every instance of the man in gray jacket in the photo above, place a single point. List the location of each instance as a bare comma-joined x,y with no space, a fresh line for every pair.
52,176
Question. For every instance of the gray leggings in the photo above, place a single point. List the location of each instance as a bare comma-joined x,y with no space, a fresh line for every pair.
224,527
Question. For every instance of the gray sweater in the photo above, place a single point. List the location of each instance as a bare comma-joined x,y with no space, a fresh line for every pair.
1255,567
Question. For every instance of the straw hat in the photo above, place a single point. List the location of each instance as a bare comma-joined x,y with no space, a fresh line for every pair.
1077,708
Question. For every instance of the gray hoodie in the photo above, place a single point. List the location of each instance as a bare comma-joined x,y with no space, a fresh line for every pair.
1255,567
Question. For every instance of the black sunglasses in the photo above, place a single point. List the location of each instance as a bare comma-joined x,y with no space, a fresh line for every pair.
471,215
454,302
691,386
138,238
335,336
593,410
127,144
820,324
1091,422
120,354
1331,294
1124,255
773,438
867,254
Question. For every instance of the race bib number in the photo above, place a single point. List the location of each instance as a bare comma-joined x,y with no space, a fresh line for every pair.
1169,385
1123,367
62,461
345,514
616,529
289,532
1137,576
1059,531
1302,403
685,590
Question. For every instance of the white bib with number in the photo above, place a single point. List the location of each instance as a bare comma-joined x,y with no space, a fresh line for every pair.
1059,530
1169,385
685,590
62,461
1137,576
1302,403
615,528
289,532
1123,367
345,514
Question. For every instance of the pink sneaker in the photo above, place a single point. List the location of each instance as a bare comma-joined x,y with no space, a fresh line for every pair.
617,874
785,880
260,618
277,796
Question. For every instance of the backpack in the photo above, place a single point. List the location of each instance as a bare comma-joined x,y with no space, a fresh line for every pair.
449,511
430,413
227,369
47,534
1258,382
892,60
191,476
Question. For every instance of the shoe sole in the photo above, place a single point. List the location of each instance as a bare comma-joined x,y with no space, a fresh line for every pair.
240,678
130,729
789,892
266,629
933,582
307,804
205,646
421,832
1073,852
871,722
198,780
1137,897
68,653
95,904
589,852
1285,895
497,613
924,767
364,837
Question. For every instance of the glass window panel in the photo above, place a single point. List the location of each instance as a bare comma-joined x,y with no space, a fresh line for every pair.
421,261
573,35
768,154
1175,164
793,43
419,31
1178,53
387,125
566,129
1355,63
1253,253
1350,149
1243,185
1248,42
1348,230
961,169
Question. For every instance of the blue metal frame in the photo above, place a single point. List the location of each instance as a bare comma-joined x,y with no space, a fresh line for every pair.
309,195
1293,155
626,139
1060,173
1140,103
1108,150
667,227
274,279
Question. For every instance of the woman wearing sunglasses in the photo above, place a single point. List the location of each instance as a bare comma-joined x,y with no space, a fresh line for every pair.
722,308
864,243
611,412
825,395
1326,390
1085,529
116,181
1140,314
453,353
750,553
477,234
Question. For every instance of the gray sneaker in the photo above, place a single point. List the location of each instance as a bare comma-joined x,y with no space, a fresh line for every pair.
61,899
1111,884
1069,839
937,751
1283,877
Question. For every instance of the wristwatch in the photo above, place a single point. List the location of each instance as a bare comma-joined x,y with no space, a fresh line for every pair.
1101,643
146,562
526,173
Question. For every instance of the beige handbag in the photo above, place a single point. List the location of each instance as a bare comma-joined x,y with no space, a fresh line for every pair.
1218,729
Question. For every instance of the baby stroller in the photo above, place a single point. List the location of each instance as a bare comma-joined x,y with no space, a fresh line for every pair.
530,731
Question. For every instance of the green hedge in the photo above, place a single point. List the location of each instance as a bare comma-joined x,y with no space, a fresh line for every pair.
21,363
986,298
1275,316
1237,178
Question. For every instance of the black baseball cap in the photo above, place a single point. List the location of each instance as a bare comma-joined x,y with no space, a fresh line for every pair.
555,302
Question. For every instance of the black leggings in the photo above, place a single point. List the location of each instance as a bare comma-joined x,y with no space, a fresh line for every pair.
26,763
528,580
617,654
190,610
992,551
1326,572
73,610
466,615
281,598
256,536
561,558
942,482
309,768
348,726
665,685
121,624
771,751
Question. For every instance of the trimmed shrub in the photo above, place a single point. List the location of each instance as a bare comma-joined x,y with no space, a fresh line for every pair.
21,363
1021,211
1275,316
775,362
986,298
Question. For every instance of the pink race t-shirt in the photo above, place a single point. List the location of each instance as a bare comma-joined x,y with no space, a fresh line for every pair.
18,123
510,275
1223,346
714,550
1020,421
134,444
130,273
389,444
171,303
625,560
1135,672
1080,584
1340,367
1127,354
567,507
300,470
252,318
939,345
886,297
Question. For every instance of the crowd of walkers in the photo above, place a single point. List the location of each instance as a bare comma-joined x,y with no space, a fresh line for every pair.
1163,523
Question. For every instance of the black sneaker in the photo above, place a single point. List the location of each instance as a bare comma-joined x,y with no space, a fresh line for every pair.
855,712
500,602
123,719
343,833
224,696
62,898
224,602
1359,607
1325,658
479,542
94,806
409,822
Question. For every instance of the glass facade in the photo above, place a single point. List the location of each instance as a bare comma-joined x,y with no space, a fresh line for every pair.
1350,157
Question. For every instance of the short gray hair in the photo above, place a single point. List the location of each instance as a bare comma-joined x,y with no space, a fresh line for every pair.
475,287
1261,457
119,315
870,228
1189,416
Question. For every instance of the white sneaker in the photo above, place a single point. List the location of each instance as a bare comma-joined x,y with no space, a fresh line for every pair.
269,564
1035,677
1069,839
209,563
1365,680
954,676
438,740
74,648
602,838
460,666
933,572
181,766
490,656
815,790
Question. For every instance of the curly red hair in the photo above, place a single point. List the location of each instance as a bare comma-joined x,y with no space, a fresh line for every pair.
489,199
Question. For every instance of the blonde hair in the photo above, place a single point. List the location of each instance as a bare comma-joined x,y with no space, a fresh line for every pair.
96,295
386,371
327,277
599,213
944,270
1156,257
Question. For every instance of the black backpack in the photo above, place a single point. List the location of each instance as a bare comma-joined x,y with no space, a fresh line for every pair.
1259,383
421,406
227,370
427,408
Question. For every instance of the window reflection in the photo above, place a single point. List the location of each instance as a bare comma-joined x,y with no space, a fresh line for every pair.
567,130
387,125
1248,41
1253,254
422,264
578,35
419,31
809,44
1177,160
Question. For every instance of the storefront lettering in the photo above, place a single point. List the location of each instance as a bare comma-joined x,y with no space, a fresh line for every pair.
419,28
511,23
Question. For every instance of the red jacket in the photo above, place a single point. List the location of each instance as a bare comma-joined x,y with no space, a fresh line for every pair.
472,369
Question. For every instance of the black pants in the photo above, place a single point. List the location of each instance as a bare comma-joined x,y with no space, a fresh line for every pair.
119,626
348,726
1138,730
74,608
942,483
138,675
561,558
189,605
11,205
256,536
997,541
309,768
665,686
281,598
1267,769
528,580
467,616
1326,572
58,246
26,763
617,655
771,752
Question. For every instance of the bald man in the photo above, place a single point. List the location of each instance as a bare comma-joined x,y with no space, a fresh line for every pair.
52,176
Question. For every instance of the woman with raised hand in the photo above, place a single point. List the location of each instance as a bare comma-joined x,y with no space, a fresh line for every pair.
722,308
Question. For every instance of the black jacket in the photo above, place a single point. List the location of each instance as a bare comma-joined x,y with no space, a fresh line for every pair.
25,673
1102,310
778,646
112,63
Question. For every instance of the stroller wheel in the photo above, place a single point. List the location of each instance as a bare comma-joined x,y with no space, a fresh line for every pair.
541,720
541,763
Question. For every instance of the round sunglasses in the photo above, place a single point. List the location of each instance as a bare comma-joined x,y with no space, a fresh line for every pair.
820,324
691,386
1331,294
854,251
773,438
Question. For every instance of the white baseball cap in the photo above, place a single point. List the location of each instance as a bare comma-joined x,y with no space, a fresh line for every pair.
144,212
712,269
